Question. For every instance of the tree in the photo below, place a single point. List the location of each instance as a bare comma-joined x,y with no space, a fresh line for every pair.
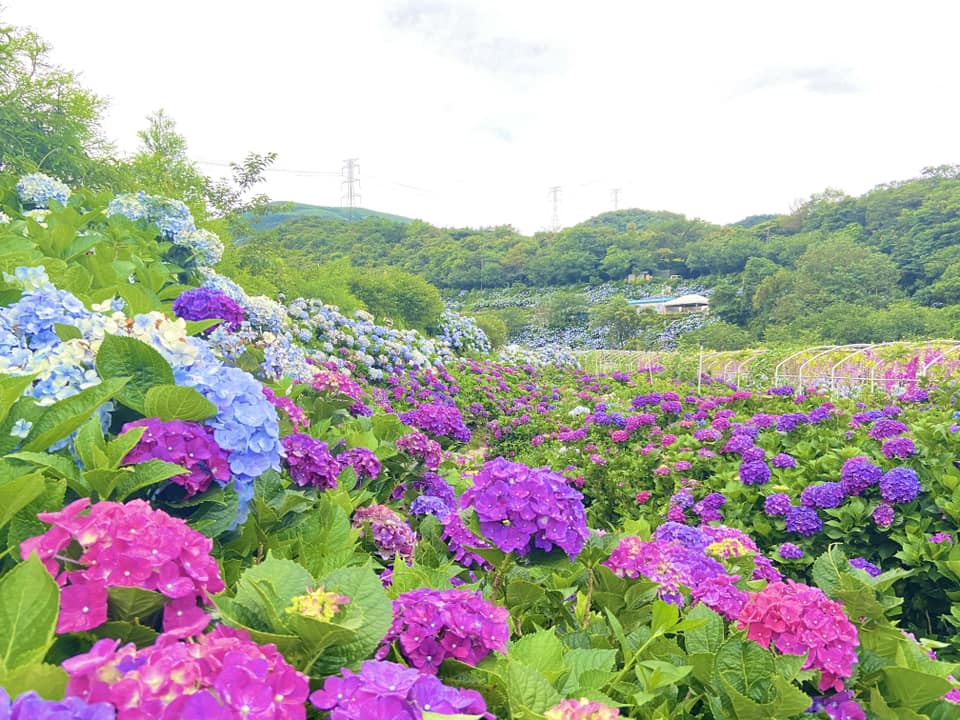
48,121
619,318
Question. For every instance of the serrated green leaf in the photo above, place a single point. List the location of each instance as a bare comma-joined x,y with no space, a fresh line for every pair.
144,475
29,607
128,357
913,689
18,492
708,637
173,402
828,568
541,651
130,604
528,691
747,667
57,421
48,681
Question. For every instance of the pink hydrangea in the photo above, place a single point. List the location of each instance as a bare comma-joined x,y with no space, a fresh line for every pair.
582,709
222,675
798,619
126,545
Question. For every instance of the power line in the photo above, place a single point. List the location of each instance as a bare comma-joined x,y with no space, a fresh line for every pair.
350,172
615,196
554,195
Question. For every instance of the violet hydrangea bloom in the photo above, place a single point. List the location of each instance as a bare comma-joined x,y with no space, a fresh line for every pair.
363,461
206,304
858,474
520,508
789,551
420,446
800,620
783,461
803,521
433,625
391,534
899,485
388,691
438,420
822,495
840,706
187,444
865,565
755,472
126,545
310,462
222,675
31,706
777,505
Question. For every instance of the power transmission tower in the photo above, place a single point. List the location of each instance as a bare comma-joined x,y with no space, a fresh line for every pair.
351,183
615,196
555,199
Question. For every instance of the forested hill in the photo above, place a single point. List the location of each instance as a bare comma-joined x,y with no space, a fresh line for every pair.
279,213
897,245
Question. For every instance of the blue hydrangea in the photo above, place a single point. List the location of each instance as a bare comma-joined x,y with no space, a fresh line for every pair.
462,334
803,521
39,189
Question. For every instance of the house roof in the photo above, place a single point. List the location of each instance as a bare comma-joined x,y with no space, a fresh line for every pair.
688,300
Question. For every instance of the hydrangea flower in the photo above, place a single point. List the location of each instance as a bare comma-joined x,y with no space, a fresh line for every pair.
317,604
582,709
520,508
187,444
126,545
205,304
363,461
883,515
789,551
899,485
783,461
800,620
388,691
310,462
858,474
38,190
822,495
433,625
865,565
420,446
391,534
803,521
438,420
31,706
777,505
755,472
222,675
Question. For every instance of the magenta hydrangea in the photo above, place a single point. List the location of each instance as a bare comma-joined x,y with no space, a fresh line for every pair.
298,418
363,461
581,709
800,620
126,545
310,462
421,447
222,675
389,532
205,304
430,626
389,691
439,420
188,444
520,508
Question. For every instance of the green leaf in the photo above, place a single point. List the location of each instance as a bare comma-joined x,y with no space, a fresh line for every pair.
88,439
528,691
117,449
665,616
18,492
173,402
913,689
11,388
541,651
144,475
62,418
788,702
48,681
139,301
134,604
67,332
828,568
746,667
29,606
708,637
656,674
57,465
131,358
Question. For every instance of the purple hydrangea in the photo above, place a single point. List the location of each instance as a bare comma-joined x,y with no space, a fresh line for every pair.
364,461
789,551
755,472
783,461
439,420
776,505
737,444
941,537
900,447
709,507
858,474
433,625
391,534
887,428
782,391
520,508
420,446
883,515
840,706
754,454
310,461
789,422
205,304
822,495
31,706
899,485
803,521
865,565
684,534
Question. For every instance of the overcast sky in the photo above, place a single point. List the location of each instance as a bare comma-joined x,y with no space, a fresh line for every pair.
464,113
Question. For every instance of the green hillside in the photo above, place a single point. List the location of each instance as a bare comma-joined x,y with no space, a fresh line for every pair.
278,213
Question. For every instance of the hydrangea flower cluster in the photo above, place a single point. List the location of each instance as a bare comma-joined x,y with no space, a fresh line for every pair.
899,485
246,424
388,691
310,461
223,675
31,706
582,709
206,304
363,461
800,620
391,535
295,414
433,625
126,545
188,444
38,190
544,357
839,706
520,508
317,604
420,446
462,334
803,520
438,420
858,474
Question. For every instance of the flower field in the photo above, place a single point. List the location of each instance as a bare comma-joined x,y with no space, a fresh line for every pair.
214,505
